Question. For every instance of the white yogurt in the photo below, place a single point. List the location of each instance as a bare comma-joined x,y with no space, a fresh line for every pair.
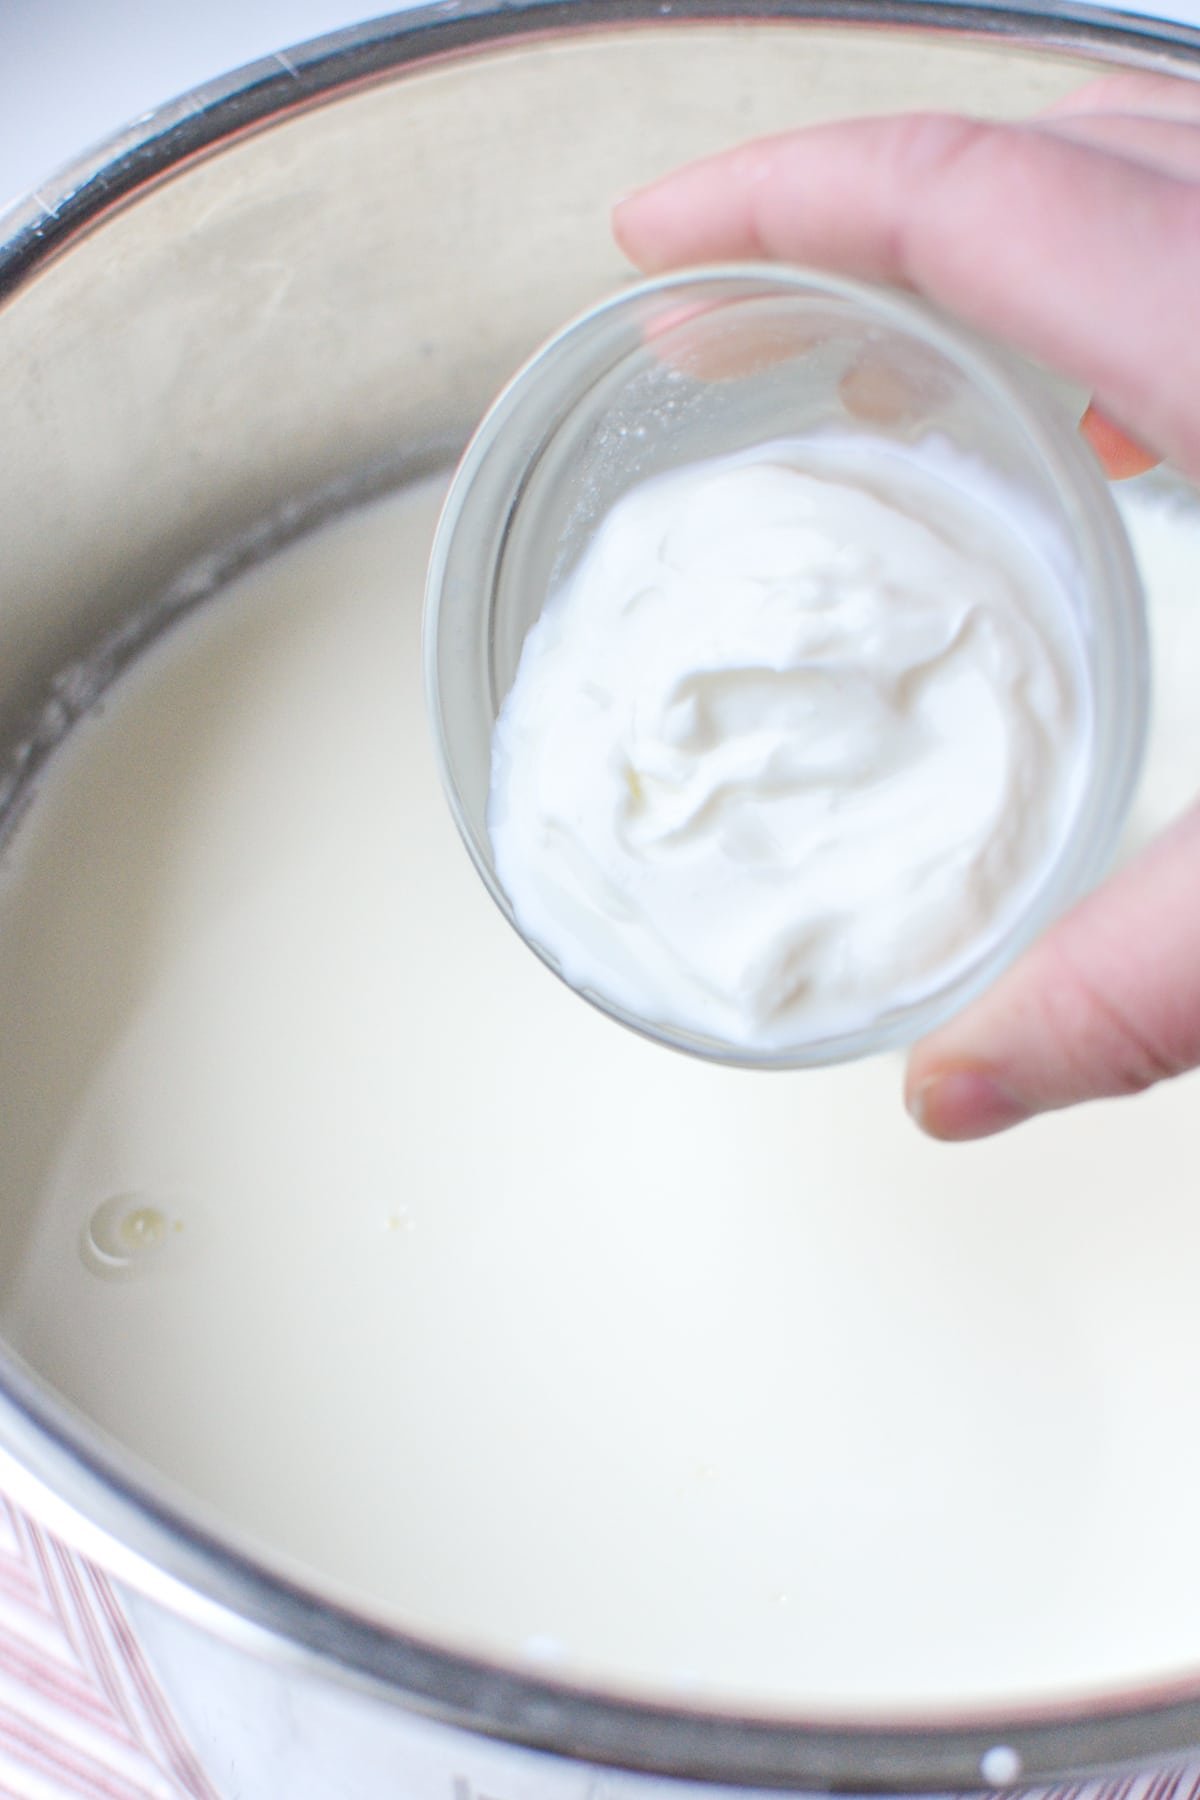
791,745
338,1210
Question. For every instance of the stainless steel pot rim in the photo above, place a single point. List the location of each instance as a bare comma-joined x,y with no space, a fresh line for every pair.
288,81
189,1567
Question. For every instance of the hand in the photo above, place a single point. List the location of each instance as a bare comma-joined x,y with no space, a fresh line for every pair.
1075,237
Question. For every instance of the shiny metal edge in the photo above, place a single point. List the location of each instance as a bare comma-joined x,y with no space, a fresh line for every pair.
154,1544
81,686
306,74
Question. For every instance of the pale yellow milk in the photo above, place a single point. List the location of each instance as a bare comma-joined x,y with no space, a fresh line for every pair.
394,1255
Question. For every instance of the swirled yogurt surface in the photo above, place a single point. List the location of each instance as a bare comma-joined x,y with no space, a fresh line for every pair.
790,745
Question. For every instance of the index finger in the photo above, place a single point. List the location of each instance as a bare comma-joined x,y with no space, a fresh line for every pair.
1074,254
1132,91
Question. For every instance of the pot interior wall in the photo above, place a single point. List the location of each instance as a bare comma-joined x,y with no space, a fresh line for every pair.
351,282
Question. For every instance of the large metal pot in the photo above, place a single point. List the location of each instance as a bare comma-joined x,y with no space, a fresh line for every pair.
324,265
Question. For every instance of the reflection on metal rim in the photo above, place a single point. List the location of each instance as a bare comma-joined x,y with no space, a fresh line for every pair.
289,81
191,1569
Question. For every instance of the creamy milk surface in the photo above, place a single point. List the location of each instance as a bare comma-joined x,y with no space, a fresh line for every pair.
791,745
348,1216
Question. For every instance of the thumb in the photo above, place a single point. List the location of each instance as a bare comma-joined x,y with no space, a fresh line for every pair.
1107,1002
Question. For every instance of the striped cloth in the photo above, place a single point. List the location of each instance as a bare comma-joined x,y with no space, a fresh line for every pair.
81,1716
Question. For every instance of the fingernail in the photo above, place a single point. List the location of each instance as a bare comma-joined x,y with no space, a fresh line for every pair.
963,1104
1121,457
616,220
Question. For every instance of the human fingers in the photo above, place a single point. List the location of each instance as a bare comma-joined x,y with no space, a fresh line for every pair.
1168,144
1119,455
1132,91
1155,120
1018,230
1106,1003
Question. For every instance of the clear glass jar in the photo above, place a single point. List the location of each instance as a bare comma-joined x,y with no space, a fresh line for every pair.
716,361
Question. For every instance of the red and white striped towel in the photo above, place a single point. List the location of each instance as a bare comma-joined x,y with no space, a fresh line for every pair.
81,1716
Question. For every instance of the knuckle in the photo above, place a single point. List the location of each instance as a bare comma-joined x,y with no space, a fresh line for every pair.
927,154
931,142
1115,1044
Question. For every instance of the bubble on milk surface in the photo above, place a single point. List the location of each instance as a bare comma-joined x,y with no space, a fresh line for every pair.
126,1235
